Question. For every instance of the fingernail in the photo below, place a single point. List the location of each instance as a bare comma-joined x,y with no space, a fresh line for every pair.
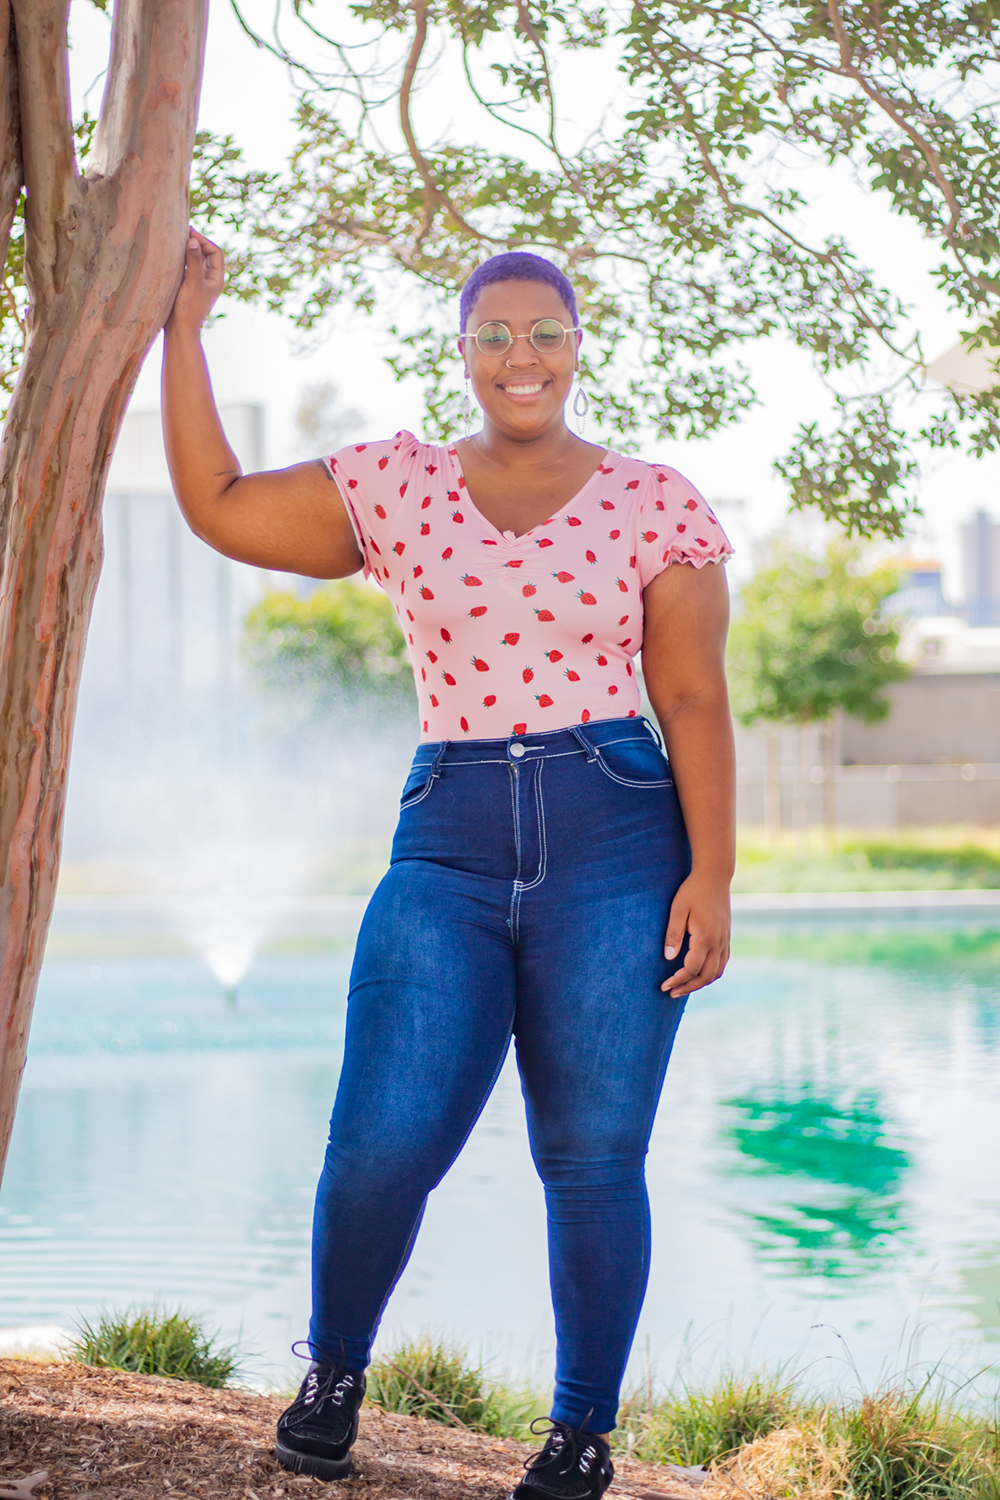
670,952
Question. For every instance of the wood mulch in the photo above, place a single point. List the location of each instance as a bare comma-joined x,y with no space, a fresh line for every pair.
131,1437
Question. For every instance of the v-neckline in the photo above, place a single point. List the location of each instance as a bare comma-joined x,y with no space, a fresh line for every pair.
510,537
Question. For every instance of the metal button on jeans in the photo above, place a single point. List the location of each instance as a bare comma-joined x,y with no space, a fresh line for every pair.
517,750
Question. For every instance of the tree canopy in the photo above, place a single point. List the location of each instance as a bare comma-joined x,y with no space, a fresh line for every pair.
685,205
812,639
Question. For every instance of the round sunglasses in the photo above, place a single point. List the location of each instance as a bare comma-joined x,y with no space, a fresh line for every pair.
546,337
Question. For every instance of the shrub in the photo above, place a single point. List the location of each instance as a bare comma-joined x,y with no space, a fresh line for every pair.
149,1341
344,634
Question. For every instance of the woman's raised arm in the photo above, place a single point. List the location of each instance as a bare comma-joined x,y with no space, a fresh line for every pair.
290,519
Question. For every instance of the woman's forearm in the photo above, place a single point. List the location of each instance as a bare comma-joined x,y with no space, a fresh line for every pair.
698,735
202,464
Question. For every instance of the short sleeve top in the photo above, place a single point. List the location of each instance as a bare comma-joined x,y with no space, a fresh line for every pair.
515,634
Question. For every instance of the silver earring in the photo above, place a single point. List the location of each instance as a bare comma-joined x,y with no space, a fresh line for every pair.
467,408
581,406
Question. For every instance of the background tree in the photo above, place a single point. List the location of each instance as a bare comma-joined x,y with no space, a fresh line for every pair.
812,641
344,636
687,215
101,251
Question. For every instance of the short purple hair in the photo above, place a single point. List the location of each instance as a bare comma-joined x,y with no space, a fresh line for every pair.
516,265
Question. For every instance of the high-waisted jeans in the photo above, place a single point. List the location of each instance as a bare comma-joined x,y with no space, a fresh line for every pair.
528,894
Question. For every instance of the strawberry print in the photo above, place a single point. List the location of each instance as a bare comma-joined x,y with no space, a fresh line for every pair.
391,487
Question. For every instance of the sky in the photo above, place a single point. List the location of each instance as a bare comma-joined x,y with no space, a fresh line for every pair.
255,356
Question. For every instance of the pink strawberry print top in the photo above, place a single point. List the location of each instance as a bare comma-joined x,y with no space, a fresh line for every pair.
514,634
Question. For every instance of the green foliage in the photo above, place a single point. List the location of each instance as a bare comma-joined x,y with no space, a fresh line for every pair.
344,635
428,1378
149,1341
694,1426
675,216
811,639
946,859
903,1446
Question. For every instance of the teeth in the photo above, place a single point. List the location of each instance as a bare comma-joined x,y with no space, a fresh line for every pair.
523,390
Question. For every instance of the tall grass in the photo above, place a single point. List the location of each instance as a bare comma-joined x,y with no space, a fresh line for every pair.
151,1341
428,1378
759,1436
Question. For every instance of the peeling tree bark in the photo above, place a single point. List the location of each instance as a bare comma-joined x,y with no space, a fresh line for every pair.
104,255
11,179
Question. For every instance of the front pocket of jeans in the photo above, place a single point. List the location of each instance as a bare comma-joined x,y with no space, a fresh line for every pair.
638,763
418,784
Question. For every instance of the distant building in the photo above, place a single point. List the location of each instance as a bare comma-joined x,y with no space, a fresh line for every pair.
168,609
981,569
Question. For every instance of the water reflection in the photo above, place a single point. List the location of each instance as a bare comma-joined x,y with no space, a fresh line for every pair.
855,1219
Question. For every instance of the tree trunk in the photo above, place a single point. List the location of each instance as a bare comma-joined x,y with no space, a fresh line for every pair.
11,180
104,256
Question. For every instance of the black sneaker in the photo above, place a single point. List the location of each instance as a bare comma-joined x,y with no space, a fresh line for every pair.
316,1433
572,1466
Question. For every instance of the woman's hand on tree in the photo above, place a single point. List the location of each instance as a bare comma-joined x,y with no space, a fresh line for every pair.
203,282
701,911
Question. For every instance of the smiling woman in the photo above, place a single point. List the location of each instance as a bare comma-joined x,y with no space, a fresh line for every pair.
554,875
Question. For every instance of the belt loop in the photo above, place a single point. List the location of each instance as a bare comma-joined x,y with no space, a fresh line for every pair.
578,734
436,762
653,731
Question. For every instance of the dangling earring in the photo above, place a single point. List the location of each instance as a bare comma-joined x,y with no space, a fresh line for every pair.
467,408
580,410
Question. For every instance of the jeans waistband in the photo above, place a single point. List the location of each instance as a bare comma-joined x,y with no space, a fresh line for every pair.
576,739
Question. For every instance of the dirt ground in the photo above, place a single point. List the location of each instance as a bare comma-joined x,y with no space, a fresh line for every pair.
132,1437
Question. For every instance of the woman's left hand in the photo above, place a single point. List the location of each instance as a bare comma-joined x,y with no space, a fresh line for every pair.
701,910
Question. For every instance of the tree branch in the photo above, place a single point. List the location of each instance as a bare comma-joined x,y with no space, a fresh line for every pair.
433,196
11,172
50,174
889,107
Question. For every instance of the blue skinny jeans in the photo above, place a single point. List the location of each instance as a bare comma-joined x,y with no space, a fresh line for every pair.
528,895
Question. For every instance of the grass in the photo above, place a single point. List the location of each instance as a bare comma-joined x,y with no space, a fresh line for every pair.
426,1377
760,1436
151,1341
959,858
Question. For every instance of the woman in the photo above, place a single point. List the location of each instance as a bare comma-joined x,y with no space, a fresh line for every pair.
552,876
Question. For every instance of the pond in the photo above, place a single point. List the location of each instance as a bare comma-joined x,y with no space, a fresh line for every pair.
823,1172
